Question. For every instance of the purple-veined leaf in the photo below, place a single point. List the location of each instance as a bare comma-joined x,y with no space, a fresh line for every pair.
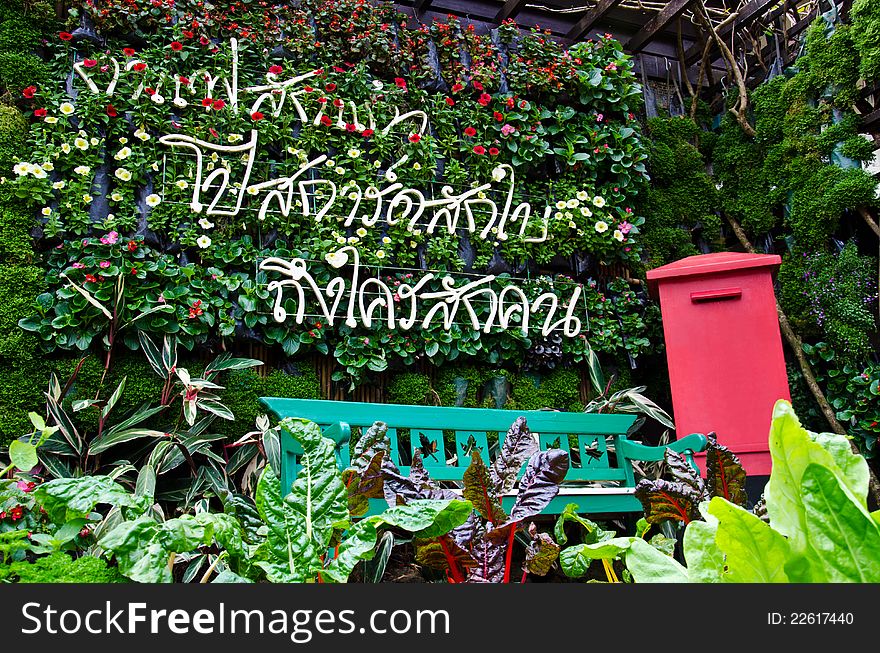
542,552
663,500
479,490
725,476
518,447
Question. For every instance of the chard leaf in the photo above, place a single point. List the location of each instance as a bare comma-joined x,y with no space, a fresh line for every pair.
648,565
705,561
64,499
843,539
480,491
519,445
725,476
592,531
542,552
662,500
683,472
576,560
754,552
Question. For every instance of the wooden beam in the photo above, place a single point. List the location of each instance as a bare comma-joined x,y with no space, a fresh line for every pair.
750,13
593,16
670,12
510,9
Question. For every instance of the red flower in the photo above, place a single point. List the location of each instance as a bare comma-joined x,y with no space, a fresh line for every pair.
338,103
128,52
400,82
498,116
39,113
65,36
132,245
485,99
477,86
139,66
415,138
350,128
204,40
479,149
91,278
510,103
494,151
184,80
16,513
367,133
29,91
450,101
330,87
322,100
111,111
89,63
207,102
134,271
213,132
457,87
218,104
308,89
150,91
188,34
275,70
325,120
256,115
177,46
470,131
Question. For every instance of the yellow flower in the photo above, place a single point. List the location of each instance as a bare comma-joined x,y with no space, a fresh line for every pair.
81,143
122,174
87,198
46,211
601,227
361,232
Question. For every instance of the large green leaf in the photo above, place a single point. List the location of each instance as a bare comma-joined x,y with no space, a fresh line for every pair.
648,565
754,552
843,539
64,499
592,531
792,450
576,560
705,561
286,555
23,455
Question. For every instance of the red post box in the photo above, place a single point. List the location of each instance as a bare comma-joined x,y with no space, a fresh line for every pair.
723,347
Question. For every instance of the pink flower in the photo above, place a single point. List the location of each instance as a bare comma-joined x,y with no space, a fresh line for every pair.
599,117
104,264
110,239
78,265
625,227
507,130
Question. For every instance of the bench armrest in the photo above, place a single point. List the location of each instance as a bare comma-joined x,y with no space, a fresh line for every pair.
340,433
688,445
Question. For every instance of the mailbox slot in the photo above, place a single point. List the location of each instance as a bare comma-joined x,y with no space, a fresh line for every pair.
716,295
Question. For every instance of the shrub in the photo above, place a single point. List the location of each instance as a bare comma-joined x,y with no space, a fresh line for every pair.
17,35
19,70
13,131
59,567
410,388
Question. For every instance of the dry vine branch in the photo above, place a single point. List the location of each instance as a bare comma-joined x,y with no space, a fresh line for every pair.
796,345
740,109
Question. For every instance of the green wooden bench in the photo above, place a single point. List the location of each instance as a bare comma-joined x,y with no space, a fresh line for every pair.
600,479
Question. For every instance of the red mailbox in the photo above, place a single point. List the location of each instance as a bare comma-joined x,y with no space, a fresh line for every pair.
723,347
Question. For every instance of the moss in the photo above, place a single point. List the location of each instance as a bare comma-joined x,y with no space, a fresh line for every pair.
15,242
19,285
18,35
559,390
410,388
59,567
455,380
19,70
865,33
13,131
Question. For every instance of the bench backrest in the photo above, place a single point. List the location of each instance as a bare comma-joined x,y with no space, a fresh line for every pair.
586,435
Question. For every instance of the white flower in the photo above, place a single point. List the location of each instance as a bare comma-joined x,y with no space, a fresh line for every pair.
582,196
568,215
203,242
499,173
413,244
601,227
110,217
339,170
586,212
234,138
38,172
557,215
354,153
571,224
618,235
58,185
181,184
123,140
66,108
378,85
124,153
377,163
94,141
599,201
252,190
46,211
560,204
65,147
341,240
81,143
330,163
353,239
417,232
50,119
48,166
417,166
180,102
155,166
352,196
21,169
572,203
336,259
116,197
82,170
153,200
386,240
142,134
361,232
122,174
87,198
380,254
204,223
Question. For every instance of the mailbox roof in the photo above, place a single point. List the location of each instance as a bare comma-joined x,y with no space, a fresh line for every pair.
710,264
